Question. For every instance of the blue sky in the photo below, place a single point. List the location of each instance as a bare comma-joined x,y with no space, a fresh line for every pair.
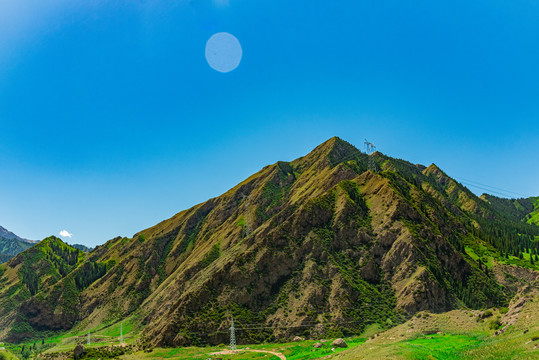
111,119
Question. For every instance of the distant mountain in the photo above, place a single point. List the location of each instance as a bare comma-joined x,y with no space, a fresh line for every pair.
323,245
81,247
6,234
523,209
4,258
11,244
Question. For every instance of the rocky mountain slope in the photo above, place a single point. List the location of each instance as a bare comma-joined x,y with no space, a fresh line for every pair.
319,245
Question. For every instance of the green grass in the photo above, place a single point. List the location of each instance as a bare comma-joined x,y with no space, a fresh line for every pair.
109,335
440,346
459,335
487,255
293,351
101,336
471,253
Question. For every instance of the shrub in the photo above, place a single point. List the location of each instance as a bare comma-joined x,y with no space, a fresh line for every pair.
211,256
495,324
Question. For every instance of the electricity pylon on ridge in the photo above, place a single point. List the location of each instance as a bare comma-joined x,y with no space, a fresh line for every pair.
232,336
370,149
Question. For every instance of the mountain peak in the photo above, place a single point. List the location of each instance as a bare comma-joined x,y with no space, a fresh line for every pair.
437,173
433,169
335,143
335,150
50,240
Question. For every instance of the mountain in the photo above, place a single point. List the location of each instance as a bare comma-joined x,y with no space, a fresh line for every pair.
30,278
6,234
11,244
323,245
4,258
523,209
81,247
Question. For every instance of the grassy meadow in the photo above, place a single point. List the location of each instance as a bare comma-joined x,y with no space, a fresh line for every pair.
458,334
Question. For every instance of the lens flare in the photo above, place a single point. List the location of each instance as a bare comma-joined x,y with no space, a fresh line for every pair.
223,52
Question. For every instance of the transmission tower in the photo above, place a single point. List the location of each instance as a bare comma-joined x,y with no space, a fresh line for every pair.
88,337
121,333
232,336
370,149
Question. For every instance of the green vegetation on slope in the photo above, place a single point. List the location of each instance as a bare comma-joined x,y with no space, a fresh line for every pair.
460,334
523,209
11,247
319,246
533,217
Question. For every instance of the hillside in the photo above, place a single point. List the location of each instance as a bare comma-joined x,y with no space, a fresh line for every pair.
11,244
506,333
28,277
317,246
81,247
523,209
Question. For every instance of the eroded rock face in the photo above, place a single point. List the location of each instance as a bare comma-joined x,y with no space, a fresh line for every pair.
320,239
526,293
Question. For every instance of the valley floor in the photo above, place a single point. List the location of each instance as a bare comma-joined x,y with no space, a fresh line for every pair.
511,333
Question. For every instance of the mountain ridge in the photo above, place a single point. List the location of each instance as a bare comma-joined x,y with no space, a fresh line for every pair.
363,246
6,234
12,244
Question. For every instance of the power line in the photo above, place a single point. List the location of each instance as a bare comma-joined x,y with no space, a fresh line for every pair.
233,329
485,189
489,186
